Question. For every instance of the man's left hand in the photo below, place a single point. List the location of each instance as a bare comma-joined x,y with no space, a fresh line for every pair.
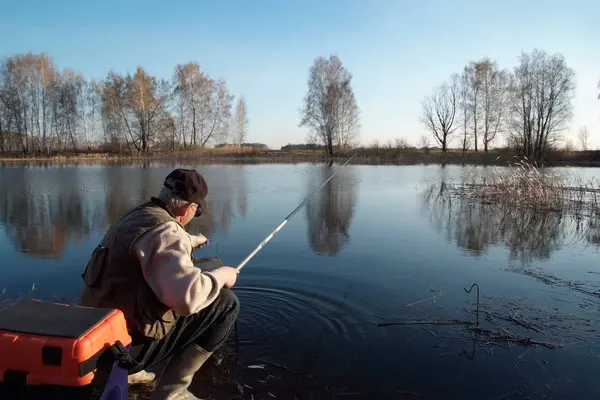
200,241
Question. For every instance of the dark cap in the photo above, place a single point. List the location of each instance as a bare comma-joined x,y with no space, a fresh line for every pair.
189,185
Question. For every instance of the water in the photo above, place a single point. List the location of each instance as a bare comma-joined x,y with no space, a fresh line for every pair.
370,247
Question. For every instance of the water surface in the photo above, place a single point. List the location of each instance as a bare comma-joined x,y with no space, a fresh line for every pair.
372,246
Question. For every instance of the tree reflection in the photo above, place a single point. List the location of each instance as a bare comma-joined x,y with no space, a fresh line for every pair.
529,234
227,199
329,212
43,209
40,216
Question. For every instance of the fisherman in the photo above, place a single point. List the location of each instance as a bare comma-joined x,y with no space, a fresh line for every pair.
143,267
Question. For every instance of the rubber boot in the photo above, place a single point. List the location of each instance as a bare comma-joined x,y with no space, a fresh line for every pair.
178,374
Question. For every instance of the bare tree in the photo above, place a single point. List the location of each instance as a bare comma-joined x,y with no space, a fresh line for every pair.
114,120
424,141
494,91
240,128
483,89
330,109
4,109
401,143
68,108
140,102
465,107
27,100
191,85
583,137
440,110
203,104
473,94
147,97
569,146
216,106
542,90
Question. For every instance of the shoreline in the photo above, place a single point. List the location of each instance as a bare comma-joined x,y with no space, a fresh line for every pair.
364,157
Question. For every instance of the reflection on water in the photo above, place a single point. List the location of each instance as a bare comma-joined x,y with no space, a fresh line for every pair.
227,199
329,212
43,209
529,234
40,216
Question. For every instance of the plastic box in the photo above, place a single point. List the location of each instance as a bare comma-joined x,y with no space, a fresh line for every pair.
49,349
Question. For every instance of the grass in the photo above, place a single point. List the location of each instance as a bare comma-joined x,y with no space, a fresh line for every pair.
372,155
525,184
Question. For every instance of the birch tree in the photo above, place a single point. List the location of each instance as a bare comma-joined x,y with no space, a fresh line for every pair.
473,76
465,108
134,105
583,137
203,105
541,95
493,82
240,129
329,107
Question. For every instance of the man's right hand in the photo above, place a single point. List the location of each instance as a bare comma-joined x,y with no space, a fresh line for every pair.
230,274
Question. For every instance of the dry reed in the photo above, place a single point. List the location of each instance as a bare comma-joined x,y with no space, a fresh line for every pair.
525,184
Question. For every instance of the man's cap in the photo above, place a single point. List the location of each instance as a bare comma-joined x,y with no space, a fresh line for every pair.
189,185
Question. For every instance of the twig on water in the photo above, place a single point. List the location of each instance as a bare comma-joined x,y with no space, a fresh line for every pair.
435,322
273,364
512,338
406,393
500,337
505,395
430,332
421,301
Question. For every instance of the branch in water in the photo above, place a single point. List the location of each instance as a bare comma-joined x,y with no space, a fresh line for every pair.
434,322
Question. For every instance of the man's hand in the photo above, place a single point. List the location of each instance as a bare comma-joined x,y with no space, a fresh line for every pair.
230,274
200,241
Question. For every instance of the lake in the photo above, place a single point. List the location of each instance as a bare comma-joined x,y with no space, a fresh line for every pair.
373,246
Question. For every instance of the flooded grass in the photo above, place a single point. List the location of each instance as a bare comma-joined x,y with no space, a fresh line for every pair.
533,208
524,184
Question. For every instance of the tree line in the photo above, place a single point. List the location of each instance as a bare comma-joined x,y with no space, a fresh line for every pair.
44,109
529,106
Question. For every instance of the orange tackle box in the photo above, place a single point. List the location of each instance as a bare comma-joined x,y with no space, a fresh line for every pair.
45,343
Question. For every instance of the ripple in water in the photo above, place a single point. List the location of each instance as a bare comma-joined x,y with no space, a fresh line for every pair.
285,319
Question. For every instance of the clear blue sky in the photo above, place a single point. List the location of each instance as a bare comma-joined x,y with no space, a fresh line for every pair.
396,50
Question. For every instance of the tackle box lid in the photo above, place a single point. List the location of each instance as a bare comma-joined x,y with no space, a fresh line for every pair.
36,317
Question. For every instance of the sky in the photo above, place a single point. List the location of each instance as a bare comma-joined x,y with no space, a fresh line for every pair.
397,51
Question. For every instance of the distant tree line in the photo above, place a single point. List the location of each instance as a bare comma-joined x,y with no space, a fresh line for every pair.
306,146
44,109
256,146
529,106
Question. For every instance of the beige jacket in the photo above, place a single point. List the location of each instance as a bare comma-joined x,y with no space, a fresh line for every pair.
164,253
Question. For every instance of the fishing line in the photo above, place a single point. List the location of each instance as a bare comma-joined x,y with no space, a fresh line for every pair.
286,219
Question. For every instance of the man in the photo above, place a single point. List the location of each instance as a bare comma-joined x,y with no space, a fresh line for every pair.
143,267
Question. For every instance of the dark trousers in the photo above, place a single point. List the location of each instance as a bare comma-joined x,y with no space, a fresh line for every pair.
208,328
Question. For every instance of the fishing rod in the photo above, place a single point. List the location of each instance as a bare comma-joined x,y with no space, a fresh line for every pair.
286,219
